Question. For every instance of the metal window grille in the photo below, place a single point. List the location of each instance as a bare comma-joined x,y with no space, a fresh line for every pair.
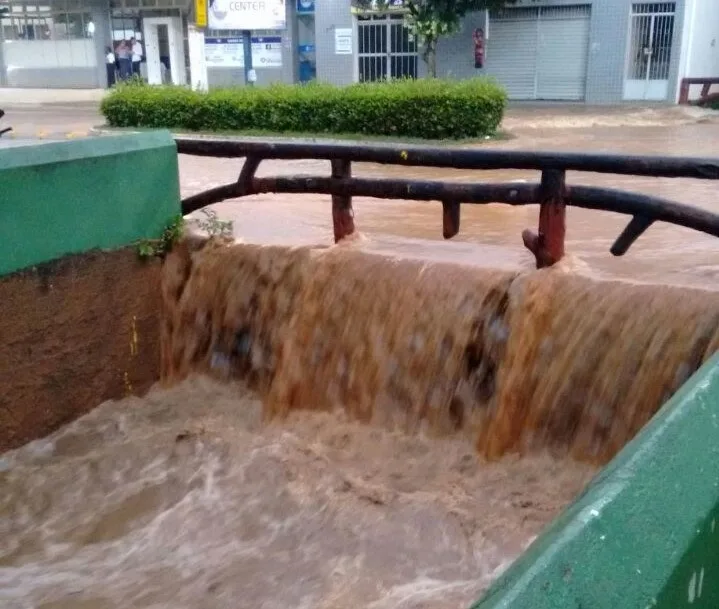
651,36
654,8
570,11
385,48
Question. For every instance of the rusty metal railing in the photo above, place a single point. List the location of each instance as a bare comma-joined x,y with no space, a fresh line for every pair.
551,193
5,129
704,97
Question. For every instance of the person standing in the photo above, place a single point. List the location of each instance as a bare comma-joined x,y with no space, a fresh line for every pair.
110,67
136,47
123,59
478,38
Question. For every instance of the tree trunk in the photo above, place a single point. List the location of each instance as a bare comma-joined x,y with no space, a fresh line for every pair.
430,57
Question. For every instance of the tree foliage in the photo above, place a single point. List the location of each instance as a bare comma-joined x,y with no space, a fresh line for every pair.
430,20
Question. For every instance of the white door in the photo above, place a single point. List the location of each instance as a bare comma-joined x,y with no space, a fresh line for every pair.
651,33
173,53
152,53
540,53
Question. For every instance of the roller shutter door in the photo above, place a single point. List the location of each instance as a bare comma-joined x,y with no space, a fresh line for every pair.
540,53
563,49
512,51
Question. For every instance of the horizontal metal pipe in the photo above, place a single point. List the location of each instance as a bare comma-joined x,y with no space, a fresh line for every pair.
213,195
654,208
455,157
510,193
587,197
417,190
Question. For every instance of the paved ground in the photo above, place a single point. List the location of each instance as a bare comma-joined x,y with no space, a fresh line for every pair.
73,114
9,96
51,121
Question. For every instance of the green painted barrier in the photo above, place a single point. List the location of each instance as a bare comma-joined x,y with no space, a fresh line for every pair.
645,533
70,197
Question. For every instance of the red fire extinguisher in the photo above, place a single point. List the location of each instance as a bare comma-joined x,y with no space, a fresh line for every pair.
478,38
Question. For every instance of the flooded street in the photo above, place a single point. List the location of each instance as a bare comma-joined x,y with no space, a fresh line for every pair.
339,430
490,235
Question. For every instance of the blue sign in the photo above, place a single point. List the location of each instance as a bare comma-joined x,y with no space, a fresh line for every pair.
254,39
306,48
266,39
305,6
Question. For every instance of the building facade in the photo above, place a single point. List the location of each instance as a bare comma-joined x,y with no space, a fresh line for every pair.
600,51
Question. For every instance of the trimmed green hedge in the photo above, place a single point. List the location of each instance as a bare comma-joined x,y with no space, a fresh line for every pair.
429,109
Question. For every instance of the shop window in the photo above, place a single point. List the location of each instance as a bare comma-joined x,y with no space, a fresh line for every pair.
62,20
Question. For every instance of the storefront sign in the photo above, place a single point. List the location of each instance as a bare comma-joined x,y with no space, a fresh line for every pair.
201,13
229,52
247,15
305,6
343,41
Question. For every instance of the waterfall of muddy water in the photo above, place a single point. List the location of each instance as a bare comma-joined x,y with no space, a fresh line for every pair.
199,496
542,360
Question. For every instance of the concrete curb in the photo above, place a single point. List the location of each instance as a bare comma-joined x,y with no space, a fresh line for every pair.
643,534
104,131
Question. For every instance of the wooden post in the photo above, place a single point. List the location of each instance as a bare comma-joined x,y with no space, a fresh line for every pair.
342,214
548,245
450,218
684,92
247,174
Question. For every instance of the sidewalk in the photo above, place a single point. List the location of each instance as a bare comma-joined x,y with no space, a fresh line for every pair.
531,116
41,97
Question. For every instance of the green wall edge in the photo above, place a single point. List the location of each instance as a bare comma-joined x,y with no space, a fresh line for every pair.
70,197
645,532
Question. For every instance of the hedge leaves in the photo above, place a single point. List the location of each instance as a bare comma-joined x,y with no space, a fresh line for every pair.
425,108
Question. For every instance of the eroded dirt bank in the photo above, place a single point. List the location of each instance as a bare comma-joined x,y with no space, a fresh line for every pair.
75,332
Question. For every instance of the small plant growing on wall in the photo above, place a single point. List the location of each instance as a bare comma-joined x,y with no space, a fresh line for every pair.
213,226
148,248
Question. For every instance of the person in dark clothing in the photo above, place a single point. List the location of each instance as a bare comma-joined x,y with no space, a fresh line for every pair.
110,66
123,53
478,38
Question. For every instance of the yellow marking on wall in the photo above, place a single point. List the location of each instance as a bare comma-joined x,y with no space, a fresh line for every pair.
201,13
134,340
128,384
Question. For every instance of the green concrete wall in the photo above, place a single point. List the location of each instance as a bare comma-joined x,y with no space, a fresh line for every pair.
645,533
73,196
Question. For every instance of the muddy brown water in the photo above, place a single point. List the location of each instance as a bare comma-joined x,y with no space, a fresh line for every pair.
186,499
490,235
378,431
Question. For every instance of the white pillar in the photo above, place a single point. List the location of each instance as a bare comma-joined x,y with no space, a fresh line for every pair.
178,69
198,65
